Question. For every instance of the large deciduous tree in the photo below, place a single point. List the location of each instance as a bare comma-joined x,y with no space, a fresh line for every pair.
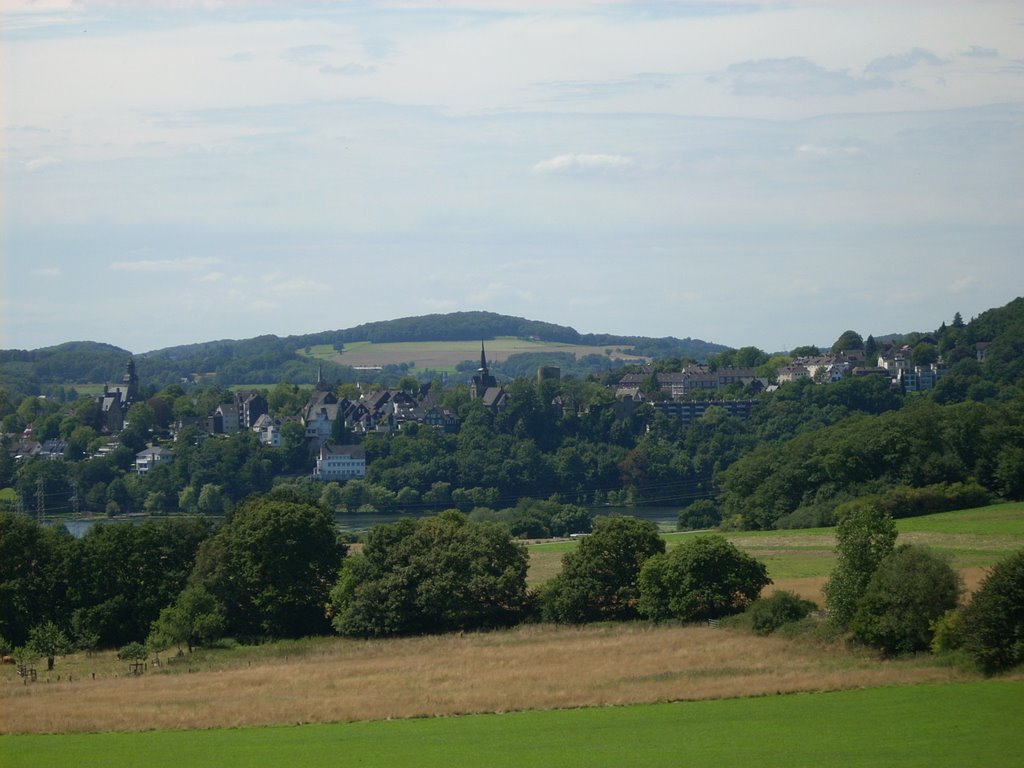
993,622
909,590
865,535
437,574
271,566
599,581
705,577
31,574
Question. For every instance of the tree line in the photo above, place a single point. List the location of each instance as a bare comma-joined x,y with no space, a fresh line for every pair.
276,568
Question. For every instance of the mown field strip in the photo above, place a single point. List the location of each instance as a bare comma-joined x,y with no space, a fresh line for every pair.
966,724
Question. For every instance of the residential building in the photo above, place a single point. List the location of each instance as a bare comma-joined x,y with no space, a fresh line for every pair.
341,462
150,457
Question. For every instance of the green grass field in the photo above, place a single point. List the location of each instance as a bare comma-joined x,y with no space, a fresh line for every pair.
961,724
973,538
445,355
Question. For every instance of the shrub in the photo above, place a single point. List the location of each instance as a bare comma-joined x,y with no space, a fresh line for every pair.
904,501
908,592
767,614
993,622
948,632
702,514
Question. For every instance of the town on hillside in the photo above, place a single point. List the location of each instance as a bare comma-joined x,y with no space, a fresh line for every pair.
333,425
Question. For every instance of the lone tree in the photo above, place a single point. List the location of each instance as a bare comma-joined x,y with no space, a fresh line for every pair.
704,578
865,535
195,618
908,592
599,581
48,640
993,622
438,574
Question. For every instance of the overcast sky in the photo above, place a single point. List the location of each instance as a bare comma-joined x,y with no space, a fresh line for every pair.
758,173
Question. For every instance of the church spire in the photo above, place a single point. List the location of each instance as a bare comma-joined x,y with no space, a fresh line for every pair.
483,359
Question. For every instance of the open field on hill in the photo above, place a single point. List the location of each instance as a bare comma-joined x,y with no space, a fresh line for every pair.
531,667
445,355
960,724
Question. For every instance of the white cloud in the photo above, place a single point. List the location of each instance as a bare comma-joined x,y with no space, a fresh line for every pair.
294,287
349,70
819,151
981,52
795,78
212,277
189,264
962,284
903,61
47,272
41,163
576,163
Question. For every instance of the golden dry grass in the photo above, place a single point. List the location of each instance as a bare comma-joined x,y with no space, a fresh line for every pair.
533,667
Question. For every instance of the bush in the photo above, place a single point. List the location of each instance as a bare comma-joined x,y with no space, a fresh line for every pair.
993,622
706,577
907,594
947,632
903,501
700,515
767,614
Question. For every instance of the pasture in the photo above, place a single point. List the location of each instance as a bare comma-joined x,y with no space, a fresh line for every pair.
799,559
445,355
960,724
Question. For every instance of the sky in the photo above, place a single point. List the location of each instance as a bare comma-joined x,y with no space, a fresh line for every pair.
757,173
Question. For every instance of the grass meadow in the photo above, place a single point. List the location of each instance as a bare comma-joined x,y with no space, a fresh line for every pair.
802,559
965,724
445,355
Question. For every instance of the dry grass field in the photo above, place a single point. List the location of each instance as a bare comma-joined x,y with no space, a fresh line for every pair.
533,667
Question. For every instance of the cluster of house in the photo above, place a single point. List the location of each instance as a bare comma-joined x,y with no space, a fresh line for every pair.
896,362
388,410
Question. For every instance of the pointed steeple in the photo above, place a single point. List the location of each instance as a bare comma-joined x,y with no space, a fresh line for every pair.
483,359
131,382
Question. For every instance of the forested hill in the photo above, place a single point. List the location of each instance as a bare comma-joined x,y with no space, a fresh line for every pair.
270,359
471,326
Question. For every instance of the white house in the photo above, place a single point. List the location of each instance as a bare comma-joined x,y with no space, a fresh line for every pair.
149,458
340,462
